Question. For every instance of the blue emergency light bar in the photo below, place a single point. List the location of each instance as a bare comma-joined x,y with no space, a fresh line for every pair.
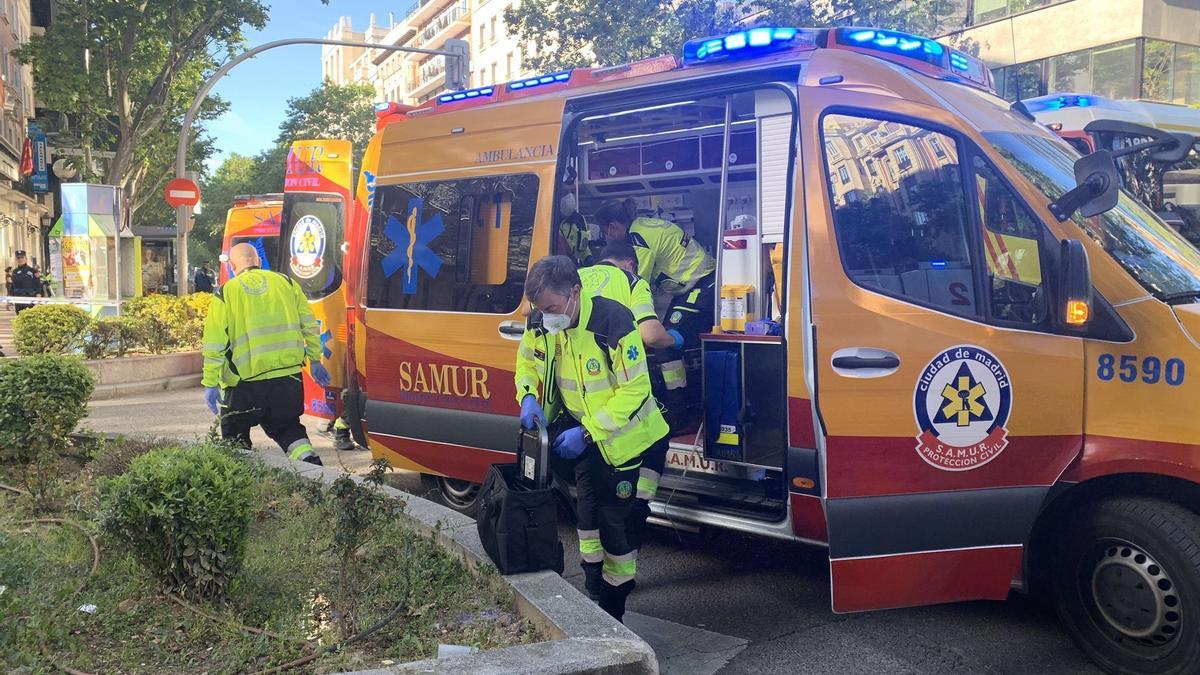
465,94
382,107
539,80
895,42
751,42
1052,102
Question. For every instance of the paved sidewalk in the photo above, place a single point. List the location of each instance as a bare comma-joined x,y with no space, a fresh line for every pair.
182,414
6,331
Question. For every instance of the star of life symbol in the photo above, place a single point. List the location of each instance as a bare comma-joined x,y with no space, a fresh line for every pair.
962,403
308,247
412,238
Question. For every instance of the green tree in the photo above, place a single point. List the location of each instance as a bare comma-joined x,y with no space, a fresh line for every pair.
125,72
330,111
233,177
563,32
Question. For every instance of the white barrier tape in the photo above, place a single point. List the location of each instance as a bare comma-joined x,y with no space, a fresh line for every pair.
23,300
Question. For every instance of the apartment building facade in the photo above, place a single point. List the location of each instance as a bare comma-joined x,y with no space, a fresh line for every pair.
427,24
24,215
1148,49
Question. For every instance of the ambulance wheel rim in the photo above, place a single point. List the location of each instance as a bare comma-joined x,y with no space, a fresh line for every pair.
462,493
1134,595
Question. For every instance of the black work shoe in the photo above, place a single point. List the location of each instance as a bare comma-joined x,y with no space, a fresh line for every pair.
342,440
313,459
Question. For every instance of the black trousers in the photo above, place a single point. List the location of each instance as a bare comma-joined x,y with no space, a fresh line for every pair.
693,312
275,404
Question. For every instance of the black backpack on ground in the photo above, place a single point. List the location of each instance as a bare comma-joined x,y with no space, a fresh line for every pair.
518,511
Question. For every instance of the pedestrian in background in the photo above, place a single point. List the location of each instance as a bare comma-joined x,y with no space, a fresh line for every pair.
203,280
257,337
25,281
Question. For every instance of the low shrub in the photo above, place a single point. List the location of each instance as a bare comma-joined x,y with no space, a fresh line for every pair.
111,336
191,328
184,514
167,322
42,398
49,329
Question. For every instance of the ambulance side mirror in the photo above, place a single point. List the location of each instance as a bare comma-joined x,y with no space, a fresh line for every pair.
1097,186
1075,284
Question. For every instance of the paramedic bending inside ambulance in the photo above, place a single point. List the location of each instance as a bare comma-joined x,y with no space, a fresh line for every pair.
581,355
672,262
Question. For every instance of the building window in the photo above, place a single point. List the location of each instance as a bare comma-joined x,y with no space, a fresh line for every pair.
494,35
1020,81
843,174
471,253
494,79
902,159
509,65
832,150
937,147
1171,72
1107,71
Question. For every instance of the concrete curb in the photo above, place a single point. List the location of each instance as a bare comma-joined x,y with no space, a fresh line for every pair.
145,373
109,391
584,639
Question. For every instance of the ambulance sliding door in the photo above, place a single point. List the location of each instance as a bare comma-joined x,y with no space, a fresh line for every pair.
949,404
458,213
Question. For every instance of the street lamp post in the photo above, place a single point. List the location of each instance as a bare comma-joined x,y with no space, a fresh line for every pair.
454,51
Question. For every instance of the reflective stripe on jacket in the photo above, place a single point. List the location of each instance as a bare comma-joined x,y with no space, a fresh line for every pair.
599,374
667,256
259,326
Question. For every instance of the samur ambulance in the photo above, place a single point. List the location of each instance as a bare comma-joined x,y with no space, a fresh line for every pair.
1089,122
966,395
253,219
318,249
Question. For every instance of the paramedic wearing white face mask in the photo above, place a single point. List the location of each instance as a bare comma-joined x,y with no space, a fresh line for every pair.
582,357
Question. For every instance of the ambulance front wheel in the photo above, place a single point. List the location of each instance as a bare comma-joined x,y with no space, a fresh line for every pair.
460,495
1127,585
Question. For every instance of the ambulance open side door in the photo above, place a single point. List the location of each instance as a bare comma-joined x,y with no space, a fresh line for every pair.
949,405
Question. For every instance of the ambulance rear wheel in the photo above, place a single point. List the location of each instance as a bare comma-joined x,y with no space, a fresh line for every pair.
1127,586
460,495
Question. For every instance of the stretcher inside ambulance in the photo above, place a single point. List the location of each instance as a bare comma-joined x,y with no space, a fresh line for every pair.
253,219
1087,122
980,377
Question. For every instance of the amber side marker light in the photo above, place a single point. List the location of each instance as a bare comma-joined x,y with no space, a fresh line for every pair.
803,483
1077,312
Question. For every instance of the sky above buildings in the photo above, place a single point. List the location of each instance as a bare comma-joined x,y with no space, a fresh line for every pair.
258,89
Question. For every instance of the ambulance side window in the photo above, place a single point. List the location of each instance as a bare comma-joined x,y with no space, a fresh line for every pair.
1012,248
452,246
901,218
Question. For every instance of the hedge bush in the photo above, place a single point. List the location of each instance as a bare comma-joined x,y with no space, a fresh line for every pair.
184,513
111,336
168,322
42,398
49,329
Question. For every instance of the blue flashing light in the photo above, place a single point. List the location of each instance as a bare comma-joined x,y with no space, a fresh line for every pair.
382,107
894,42
455,96
938,263
1058,102
959,62
538,80
752,41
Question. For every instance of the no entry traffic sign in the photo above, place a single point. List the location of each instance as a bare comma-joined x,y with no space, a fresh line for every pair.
182,192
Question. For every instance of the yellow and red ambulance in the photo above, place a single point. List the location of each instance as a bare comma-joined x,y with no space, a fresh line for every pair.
253,219
962,371
316,250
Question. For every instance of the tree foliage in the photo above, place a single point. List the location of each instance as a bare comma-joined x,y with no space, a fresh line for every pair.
125,71
563,33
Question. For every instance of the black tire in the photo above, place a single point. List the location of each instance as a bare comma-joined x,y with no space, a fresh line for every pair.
459,495
1127,585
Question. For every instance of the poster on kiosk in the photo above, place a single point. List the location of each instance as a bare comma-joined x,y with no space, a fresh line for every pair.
92,255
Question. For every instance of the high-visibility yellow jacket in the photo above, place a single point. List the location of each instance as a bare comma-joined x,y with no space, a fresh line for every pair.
615,283
259,326
597,371
668,257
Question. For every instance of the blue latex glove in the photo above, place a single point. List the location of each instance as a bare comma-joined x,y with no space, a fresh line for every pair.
570,443
212,396
676,337
319,374
530,411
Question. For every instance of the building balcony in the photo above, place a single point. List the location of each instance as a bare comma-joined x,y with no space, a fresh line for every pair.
419,13
428,79
451,21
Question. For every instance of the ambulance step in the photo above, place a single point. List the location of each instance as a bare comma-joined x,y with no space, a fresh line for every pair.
710,493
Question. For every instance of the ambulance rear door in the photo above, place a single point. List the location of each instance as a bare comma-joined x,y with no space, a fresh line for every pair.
455,200
949,402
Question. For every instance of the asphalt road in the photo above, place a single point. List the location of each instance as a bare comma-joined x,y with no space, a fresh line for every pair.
731,603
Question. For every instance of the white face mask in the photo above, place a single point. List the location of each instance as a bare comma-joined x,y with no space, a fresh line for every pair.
557,323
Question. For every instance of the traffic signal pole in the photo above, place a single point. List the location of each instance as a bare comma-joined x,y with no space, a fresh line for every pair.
456,52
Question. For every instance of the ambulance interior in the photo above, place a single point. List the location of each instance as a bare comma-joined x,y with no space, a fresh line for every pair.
667,157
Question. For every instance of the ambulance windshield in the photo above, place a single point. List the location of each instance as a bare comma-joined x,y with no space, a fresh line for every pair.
1162,261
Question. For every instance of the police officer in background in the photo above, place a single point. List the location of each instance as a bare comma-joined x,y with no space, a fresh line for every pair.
259,332
582,353
672,262
25,281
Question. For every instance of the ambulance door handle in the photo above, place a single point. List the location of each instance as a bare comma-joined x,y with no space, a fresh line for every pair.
512,330
863,362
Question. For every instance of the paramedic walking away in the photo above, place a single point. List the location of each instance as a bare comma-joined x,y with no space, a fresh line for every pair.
259,332
581,356
673,262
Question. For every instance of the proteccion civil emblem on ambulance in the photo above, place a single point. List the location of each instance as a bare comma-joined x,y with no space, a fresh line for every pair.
308,247
962,403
